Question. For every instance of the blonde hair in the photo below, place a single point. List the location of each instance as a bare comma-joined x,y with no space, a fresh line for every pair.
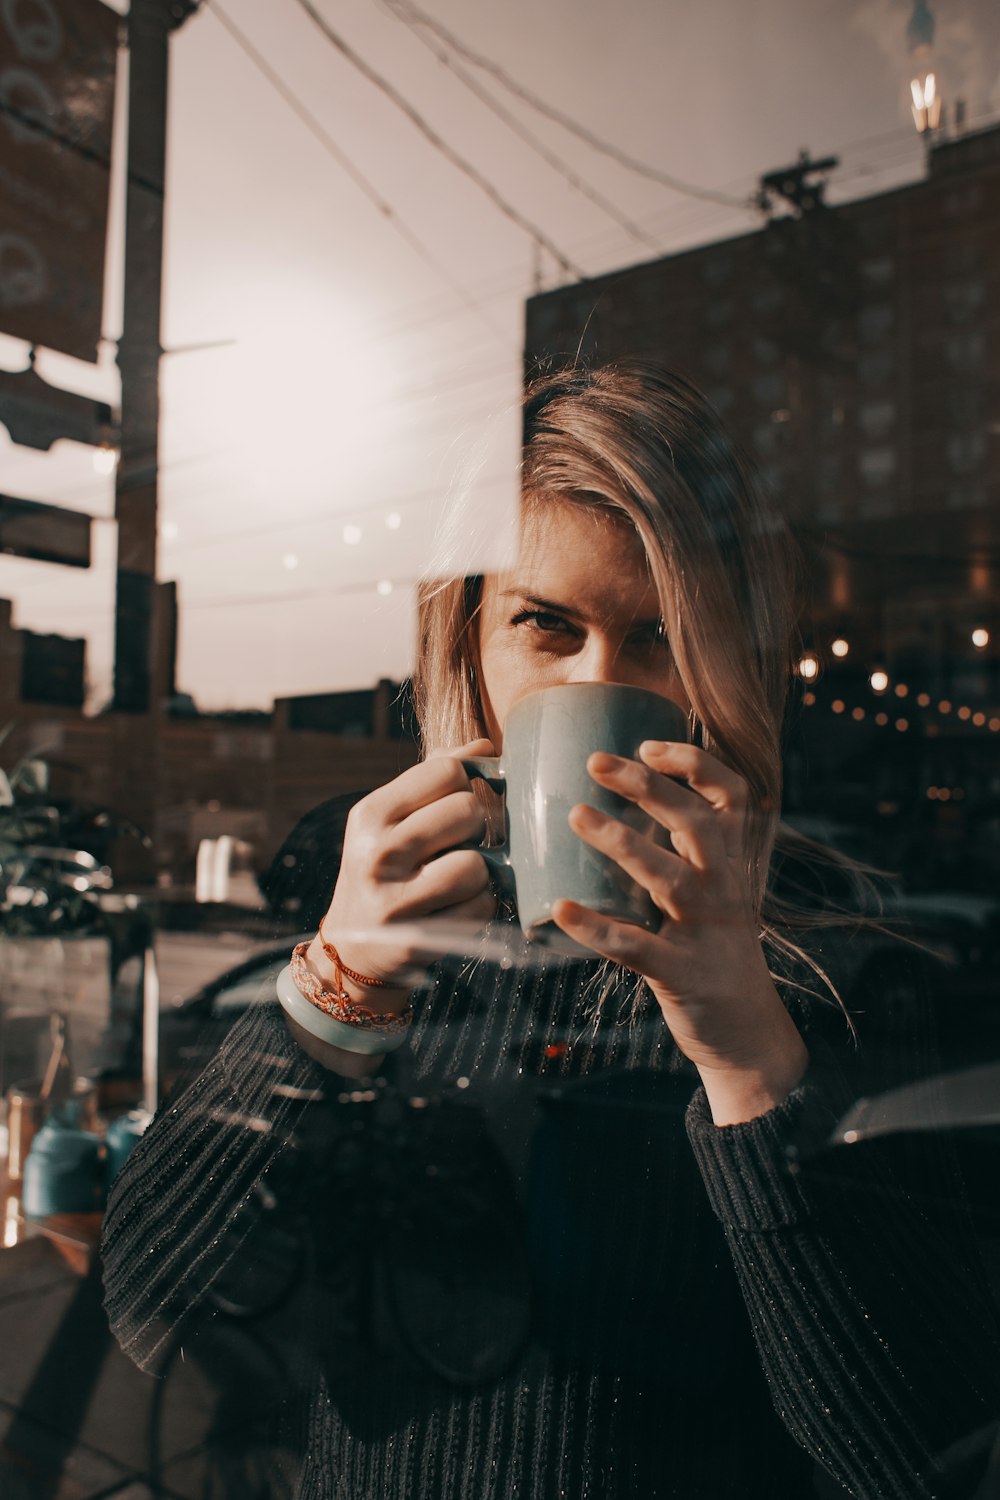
635,442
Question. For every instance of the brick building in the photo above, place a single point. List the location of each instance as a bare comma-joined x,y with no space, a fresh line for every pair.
855,352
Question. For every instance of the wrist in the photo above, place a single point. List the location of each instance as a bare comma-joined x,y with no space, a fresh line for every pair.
384,997
738,1093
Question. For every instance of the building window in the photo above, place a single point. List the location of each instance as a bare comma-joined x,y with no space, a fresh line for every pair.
879,271
966,451
877,465
966,351
876,418
875,366
964,299
718,312
768,389
966,496
718,358
721,397
767,297
766,438
717,268
875,322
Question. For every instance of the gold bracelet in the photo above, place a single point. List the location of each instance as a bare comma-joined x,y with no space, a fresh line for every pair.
341,968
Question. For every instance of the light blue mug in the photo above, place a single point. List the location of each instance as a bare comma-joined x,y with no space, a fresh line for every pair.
542,773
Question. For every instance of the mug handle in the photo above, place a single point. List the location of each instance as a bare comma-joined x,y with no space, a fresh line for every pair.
488,768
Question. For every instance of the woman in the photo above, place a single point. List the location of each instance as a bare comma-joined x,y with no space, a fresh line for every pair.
719,1307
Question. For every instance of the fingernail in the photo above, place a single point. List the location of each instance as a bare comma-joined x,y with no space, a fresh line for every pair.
585,814
601,760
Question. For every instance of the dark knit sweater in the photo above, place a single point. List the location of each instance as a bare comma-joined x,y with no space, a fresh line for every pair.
584,1287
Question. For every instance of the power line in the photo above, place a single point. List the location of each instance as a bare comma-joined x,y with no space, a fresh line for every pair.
539,147
412,14
440,144
329,145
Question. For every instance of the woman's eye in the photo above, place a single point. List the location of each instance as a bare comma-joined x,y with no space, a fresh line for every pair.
542,620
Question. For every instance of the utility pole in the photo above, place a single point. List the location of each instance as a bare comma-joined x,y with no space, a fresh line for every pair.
149,25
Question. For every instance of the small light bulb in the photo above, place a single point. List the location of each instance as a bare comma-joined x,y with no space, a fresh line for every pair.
393,520
980,637
879,680
808,667
352,535
384,586
291,561
840,647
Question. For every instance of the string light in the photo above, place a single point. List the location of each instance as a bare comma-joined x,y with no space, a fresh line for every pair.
838,705
979,719
879,680
980,638
857,714
384,586
291,561
882,719
808,668
901,690
840,647
352,535
944,707
808,699
393,520
965,712
924,700
902,725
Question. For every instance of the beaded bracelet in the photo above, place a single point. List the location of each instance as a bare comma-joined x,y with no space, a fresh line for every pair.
327,1028
338,1003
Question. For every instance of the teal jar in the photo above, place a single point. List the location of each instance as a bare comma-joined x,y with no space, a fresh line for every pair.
63,1173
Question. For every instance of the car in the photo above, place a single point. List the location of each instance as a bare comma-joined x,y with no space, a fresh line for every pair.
192,1031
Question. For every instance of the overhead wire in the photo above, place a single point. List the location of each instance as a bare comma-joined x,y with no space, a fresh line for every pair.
578,183
459,162
359,179
412,14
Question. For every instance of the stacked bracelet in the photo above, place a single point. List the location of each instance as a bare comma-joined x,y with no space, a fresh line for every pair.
326,1027
338,1003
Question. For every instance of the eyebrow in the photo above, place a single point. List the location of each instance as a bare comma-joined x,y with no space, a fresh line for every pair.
567,609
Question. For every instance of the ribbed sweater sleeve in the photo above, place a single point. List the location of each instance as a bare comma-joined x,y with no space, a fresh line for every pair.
173,1220
867,1304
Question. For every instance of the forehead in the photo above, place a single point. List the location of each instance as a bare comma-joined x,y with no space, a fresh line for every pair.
577,547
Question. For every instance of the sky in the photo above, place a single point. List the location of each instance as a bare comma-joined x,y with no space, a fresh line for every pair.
344,304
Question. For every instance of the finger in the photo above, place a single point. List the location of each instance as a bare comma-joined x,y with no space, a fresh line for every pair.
416,787
621,942
446,881
696,829
454,819
474,747
721,786
661,873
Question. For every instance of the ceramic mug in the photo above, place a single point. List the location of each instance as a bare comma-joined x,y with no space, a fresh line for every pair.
542,773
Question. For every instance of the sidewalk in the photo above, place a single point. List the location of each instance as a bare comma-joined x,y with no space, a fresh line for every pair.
78,1421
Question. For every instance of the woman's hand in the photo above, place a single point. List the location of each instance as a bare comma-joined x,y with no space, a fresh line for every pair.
705,965
399,867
